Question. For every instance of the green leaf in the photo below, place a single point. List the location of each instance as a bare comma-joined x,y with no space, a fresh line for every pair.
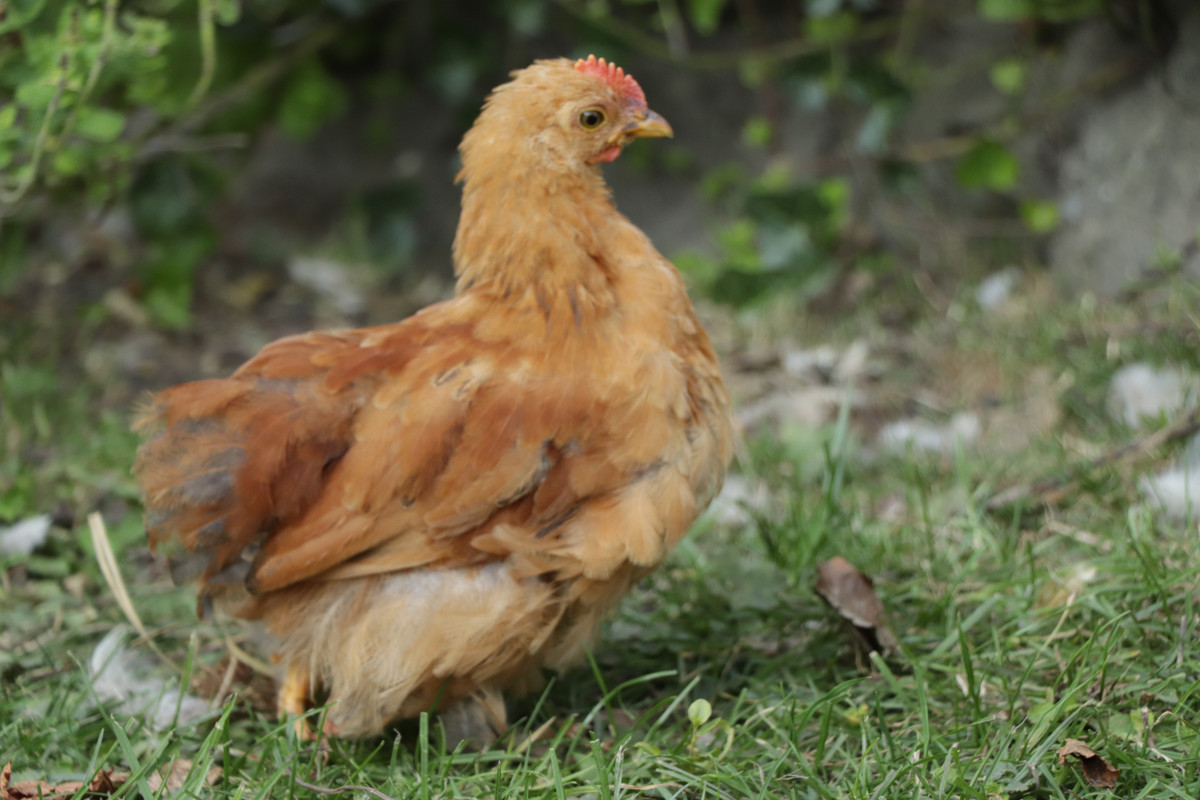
99,124
1008,75
36,96
69,161
526,18
988,165
873,134
754,71
835,194
1040,216
8,116
834,29
757,132
227,12
170,306
699,712
739,243
1006,10
311,99
706,14
19,13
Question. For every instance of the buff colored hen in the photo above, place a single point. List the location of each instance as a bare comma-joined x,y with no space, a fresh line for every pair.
426,514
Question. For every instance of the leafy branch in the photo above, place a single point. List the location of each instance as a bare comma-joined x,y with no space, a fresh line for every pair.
9,198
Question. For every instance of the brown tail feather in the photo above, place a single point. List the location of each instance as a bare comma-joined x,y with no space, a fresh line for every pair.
227,462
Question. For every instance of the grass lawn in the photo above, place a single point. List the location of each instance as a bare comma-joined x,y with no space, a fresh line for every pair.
1070,615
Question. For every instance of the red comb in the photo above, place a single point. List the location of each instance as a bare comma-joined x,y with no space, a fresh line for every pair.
613,75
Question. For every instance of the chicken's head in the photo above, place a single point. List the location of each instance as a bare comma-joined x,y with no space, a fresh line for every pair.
618,116
569,114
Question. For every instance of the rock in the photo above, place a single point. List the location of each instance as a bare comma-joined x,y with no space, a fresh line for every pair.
1130,187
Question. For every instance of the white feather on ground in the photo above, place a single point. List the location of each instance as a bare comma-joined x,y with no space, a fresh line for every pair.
995,289
1139,392
738,501
919,434
126,681
22,538
1176,491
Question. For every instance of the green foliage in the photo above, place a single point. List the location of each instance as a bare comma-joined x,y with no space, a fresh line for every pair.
1049,10
311,98
76,70
1008,75
1040,216
988,165
784,235
97,97
705,14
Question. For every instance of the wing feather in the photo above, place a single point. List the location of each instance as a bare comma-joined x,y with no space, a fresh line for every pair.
425,444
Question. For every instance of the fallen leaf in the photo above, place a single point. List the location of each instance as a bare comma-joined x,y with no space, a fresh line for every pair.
1060,591
852,594
103,784
173,775
228,677
1096,771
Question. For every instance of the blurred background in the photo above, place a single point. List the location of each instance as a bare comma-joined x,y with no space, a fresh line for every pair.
182,181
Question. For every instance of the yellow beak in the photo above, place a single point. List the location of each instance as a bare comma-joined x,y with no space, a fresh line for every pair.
652,126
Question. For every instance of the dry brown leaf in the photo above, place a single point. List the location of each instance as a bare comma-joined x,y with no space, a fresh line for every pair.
1096,771
852,594
230,676
103,784
173,775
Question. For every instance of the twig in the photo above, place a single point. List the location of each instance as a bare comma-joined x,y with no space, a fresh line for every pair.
11,198
177,137
906,35
673,28
208,52
1151,275
343,789
787,50
1052,491
255,81
256,664
164,144
107,561
226,683
536,736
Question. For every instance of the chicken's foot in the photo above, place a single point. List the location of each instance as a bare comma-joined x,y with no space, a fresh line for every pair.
294,699
479,719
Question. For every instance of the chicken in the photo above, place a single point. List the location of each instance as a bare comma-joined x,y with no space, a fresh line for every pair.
425,515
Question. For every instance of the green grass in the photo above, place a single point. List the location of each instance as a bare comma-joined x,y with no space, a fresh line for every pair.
1018,629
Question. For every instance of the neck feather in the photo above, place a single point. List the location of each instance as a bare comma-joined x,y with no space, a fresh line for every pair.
538,234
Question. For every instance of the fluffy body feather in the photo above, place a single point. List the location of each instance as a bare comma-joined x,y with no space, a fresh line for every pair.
432,511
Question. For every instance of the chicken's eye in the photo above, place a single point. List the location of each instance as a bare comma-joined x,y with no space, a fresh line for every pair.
591,119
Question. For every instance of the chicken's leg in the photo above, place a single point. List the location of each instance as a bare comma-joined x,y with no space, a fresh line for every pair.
479,719
293,700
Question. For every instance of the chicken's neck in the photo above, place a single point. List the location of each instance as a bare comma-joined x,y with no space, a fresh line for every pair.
541,238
